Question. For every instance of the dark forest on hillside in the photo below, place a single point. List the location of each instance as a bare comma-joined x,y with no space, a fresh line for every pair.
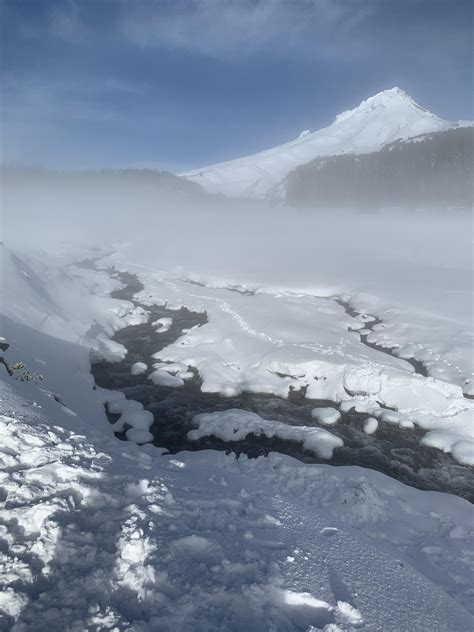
433,170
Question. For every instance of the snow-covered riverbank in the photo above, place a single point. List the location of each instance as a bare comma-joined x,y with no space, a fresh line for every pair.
99,533
270,341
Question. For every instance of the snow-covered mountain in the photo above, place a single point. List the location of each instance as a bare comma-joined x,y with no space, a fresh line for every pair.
386,117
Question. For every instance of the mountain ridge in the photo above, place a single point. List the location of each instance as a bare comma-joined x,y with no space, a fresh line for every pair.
385,117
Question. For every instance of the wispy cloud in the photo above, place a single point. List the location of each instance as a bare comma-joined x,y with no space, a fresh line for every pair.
138,74
218,28
227,28
66,98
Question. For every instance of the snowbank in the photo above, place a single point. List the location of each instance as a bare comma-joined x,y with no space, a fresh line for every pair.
326,416
236,424
162,324
281,342
138,368
104,534
370,425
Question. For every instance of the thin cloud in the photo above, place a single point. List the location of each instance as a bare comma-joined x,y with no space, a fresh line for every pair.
230,28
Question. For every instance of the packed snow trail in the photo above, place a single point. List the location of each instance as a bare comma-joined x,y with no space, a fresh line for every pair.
227,309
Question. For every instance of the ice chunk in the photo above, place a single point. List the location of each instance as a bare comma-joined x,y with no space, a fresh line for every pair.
161,377
139,436
138,368
120,405
370,425
162,324
326,416
141,419
449,441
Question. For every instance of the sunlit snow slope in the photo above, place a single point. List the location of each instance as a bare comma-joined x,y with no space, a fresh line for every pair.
381,119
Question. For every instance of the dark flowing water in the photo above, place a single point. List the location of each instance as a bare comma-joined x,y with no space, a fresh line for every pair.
390,450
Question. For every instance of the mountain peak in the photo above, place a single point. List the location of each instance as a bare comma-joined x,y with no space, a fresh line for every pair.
393,92
394,99
392,95
379,120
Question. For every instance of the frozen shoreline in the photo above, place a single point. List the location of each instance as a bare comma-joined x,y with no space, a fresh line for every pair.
152,540
398,454
312,345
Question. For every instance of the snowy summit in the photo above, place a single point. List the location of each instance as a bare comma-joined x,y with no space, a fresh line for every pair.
379,120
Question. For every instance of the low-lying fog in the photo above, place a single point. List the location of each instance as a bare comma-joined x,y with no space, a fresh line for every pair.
415,258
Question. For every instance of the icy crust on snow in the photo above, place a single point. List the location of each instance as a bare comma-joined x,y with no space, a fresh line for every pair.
105,535
236,424
282,342
381,119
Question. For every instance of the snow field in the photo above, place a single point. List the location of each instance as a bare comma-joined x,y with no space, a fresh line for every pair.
266,342
106,534
307,343
100,534
442,349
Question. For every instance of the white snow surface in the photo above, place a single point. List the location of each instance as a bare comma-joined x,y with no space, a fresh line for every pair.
272,341
138,368
326,415
163,324
370,425
235,425
388,116
275,342
101,534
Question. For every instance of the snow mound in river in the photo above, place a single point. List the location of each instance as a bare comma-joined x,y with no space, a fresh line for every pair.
236,425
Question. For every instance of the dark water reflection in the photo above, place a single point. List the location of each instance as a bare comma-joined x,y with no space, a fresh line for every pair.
391,450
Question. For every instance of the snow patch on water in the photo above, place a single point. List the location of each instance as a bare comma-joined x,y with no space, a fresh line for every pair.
236,424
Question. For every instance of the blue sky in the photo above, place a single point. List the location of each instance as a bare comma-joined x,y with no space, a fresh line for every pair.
183,83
